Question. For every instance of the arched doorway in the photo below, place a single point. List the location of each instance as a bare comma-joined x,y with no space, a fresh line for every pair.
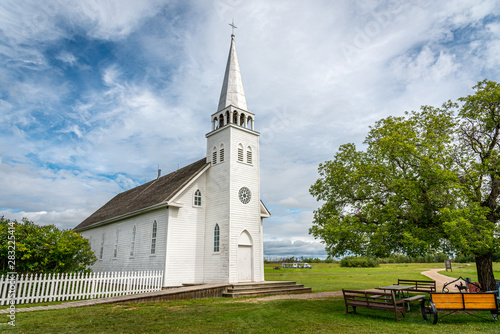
245,257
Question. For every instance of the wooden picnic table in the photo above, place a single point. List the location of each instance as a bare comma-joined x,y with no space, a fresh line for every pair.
399,289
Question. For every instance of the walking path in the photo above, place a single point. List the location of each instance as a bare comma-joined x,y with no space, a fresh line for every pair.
432,274
152,296
440,279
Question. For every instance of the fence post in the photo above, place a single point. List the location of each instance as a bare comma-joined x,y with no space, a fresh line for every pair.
2,290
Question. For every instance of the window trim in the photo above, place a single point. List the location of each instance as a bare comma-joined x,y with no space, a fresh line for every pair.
132,243
221,153
115,250
197,199
214,156
154,233
249,155
241,153
216,238
101,250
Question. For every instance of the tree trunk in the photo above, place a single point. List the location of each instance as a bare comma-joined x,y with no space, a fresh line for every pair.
484,267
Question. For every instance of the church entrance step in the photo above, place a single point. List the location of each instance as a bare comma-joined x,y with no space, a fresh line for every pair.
264,288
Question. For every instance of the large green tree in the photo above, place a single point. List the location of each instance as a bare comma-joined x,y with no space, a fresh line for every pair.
423,184
42,249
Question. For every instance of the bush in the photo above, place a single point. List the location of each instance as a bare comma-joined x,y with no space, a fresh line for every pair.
42,249
359,262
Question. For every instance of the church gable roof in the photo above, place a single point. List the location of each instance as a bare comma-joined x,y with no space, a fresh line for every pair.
154,192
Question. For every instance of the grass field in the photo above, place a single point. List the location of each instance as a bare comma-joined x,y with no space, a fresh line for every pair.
220,315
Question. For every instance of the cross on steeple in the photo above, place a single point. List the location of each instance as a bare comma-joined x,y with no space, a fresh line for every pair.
233,26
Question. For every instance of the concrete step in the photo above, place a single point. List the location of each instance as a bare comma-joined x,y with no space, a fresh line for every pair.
248,287
276,291
265,288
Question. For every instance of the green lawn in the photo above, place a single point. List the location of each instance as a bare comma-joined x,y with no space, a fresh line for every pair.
221,315
331,277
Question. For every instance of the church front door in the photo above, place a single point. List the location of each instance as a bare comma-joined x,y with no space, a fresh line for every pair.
244,263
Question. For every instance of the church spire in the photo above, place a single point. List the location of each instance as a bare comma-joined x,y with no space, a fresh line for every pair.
232,92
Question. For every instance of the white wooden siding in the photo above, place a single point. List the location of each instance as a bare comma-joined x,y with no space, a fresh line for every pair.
184,261
142,259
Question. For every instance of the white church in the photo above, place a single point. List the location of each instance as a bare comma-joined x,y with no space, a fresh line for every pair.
201,223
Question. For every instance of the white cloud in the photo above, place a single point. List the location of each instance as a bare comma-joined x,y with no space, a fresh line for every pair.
67,57
316,75
287,248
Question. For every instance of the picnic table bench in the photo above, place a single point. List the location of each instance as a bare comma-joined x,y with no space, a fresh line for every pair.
419,285
380,301
442,301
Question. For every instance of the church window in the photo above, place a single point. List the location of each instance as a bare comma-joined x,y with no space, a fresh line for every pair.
235,117
249,155
132,243
153,238
221,155
221,121
227,117
197,198
240,152
242,120
250,123
216,238
101,251
115,251
214,156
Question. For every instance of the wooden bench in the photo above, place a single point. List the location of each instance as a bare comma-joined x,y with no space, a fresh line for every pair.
483,301
412,298
380,301
419,286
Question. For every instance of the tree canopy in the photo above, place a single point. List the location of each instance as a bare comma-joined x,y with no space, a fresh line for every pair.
43,249
427,182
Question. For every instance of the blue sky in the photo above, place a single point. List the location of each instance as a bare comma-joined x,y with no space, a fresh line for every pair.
94,95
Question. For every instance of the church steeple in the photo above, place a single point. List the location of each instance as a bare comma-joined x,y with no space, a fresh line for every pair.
232,92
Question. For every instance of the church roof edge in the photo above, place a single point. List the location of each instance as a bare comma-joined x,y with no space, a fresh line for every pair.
150,194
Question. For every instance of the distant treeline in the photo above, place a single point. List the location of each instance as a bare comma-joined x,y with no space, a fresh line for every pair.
292,259
364,261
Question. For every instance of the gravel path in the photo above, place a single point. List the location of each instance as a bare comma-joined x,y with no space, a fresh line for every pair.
432,274
440,279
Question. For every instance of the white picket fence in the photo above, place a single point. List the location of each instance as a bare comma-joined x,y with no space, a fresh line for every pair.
38,288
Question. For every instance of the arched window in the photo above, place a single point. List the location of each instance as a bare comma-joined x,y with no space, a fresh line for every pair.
235,117
249,155
242,120
250,123
115,251
240,152
197,197
101,251
221,153
153,238
216,238
228,120
221,121
132,243
214,155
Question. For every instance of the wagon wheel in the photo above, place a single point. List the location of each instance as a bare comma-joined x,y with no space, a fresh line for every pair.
429,311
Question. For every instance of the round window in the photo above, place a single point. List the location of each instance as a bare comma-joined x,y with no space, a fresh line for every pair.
245,195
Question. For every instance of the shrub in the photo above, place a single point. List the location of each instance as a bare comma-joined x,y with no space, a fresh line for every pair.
359,262
42,249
